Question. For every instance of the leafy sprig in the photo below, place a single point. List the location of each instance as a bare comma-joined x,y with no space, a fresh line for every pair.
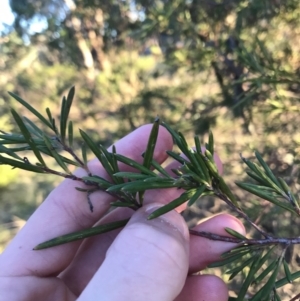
196,177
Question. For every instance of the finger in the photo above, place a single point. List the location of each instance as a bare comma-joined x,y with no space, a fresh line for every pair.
203,287
91,254
147,261
65,210
204,251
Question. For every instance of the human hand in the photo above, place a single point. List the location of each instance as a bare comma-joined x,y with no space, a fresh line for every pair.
147,260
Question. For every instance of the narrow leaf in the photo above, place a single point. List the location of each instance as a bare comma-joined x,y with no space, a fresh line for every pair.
265,272
265,291
287,271
235,234
265,195
151,144
27,136
10,152
229,259
21,165
137,186
253,269
31,109
223,186
239,268
159,168
55,155
70,133
196,196
257,178
81,234
84,153
34,129
177,157
211,143
266,168
172,205
92,145
131,175
134,164
94,180
285,281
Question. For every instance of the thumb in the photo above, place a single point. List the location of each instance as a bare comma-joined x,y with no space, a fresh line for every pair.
147,261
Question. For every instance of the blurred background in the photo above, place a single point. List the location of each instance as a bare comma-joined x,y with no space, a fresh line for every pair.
230,66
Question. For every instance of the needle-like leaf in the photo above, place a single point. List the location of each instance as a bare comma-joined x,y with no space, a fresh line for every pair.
81,234
27,136
31,109
174,204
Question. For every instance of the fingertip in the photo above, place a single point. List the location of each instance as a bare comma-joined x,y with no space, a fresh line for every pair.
204,251
203,287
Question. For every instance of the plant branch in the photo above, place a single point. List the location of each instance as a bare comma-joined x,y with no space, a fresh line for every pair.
240,212
265,241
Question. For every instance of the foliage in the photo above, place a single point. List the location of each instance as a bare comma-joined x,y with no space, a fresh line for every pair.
227,66
197,176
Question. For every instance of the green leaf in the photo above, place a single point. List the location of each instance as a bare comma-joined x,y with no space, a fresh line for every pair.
229,259
10,152
265,272
211,165
257,178
159,168
65,110
32,128
122,204
211,143
196,196
201,160
239,268
253,269
131,175
288,192
265,195
92,145
287,271
265,291
172,205
81,234
178,138
27,136
177,157
115,166
137,186
225,189
266,168
70,133
31,109
55,155
198,144
235,234
285,281
94,180
148,156
135,165
21,165
84,153
186,169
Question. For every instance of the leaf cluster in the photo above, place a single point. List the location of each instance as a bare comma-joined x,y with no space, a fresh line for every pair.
196,176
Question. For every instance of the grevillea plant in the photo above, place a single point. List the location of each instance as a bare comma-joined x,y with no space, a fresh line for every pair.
197,176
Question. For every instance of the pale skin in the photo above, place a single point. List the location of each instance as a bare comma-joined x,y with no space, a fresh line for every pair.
146,260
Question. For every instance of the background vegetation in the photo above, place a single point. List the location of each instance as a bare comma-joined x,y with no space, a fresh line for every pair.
231,66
